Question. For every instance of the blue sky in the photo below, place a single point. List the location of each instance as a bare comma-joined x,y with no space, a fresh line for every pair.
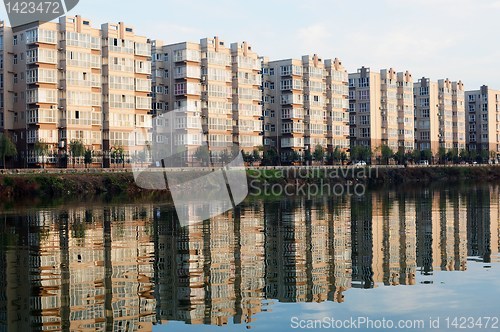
454,39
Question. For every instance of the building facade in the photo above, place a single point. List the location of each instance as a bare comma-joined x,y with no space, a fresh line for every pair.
483,119
67,81
304,105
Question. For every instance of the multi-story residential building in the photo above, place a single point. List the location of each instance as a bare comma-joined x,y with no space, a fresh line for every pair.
314,83
459,128
213,92
381,109
304,104
426,115
365,116
247,97
55,92
483,119
126,70
406,127
337,107
439,115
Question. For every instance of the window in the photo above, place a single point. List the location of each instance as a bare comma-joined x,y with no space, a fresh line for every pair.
485,117
271,85
15,78
425,135
472,98
472,117
22,56
472,108
364,95
165,57
272,114
1,60
166,73
88,23
273,128
365,132
352,82
15,117
424,102
272,99
485,108
364,107
15,59
424,113
22,36
364,82
15,40
271,71
424,91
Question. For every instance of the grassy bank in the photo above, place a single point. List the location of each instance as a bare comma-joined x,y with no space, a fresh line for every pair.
61,185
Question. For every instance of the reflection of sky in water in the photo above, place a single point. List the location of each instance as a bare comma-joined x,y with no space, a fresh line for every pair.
473,293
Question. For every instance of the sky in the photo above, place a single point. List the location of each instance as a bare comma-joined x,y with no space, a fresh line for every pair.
455,39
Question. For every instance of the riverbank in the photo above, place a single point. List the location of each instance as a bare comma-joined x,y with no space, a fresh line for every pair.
114,182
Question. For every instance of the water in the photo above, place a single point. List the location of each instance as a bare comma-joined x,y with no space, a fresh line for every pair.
415,255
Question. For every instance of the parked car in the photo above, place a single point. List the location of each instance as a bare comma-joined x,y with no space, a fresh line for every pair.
423,162
360,163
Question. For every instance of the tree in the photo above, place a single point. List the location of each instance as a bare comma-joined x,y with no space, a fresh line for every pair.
464,154
270,157
427,155
355,152
224,157
118,153
76,149
319,153
294,156
202,155
365,153
416,154
41,150
485,154
307,156
336,154
473,155
256,155
88,157
452,155
7,148
441,154
343,157
141,157
386,153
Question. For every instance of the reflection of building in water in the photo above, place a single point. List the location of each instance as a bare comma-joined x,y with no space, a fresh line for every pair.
452,224
482,223
82,280
110,269
363,241
340,251
399,244
210,271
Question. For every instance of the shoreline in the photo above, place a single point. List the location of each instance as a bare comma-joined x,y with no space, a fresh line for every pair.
121,181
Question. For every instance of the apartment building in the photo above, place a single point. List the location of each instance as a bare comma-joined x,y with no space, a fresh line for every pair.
247,97
365,105
439,115
126,86
483,119
304,104
426,115
406,119
213,91
337,107
55,89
